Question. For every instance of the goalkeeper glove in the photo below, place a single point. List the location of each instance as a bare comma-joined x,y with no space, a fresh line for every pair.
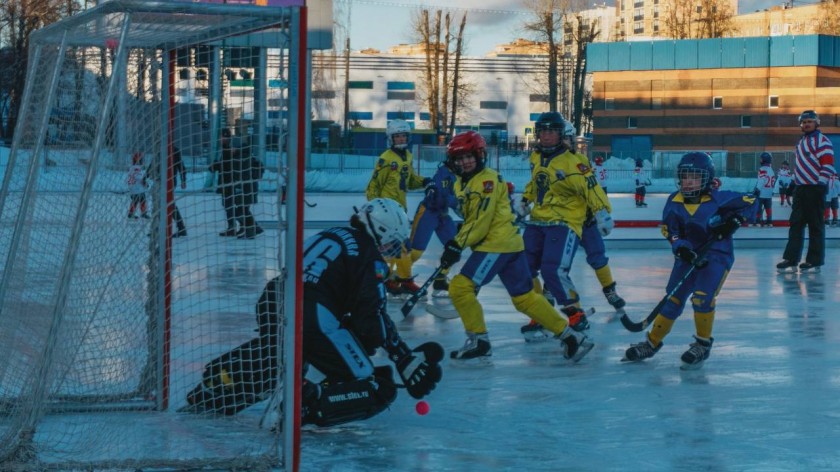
419,369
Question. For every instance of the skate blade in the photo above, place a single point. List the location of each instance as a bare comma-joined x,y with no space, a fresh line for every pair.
632,361
537,337
616,315
697,366
444,312
787,270
582,351
481,361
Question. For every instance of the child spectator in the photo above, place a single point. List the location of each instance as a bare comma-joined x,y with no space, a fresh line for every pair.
137,186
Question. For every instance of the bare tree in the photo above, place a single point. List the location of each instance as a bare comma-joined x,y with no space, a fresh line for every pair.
18,19
547,27
829,17
695,19
583,32
442,84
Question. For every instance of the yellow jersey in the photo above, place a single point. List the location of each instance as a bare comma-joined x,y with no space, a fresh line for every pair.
392,177
562,189
484,204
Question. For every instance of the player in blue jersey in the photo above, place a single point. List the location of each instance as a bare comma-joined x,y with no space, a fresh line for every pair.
699,222
432,216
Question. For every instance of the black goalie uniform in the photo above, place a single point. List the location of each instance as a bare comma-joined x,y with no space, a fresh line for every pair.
344,322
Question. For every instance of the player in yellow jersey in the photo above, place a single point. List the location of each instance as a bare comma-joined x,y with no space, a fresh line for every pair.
497,249
562,190
392,177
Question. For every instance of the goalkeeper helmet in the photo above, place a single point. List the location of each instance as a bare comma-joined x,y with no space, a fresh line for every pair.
397,127
386,222
695,174
466,143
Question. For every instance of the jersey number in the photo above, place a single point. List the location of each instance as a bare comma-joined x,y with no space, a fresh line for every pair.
318,257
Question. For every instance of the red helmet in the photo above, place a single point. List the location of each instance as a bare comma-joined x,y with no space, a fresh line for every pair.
468,142
137,158
599,160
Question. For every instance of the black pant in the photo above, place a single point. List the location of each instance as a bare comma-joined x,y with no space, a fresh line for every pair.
229,202
808,201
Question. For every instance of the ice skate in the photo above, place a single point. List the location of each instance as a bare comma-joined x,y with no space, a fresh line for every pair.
834,223
613,298
786,266
534,332
408,286
697,353
577,318
575,345
394,289
477,346
808,267
641,351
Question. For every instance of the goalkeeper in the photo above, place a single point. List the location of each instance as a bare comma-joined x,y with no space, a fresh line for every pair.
344,323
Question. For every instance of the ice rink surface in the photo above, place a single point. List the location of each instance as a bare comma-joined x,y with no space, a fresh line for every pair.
767,399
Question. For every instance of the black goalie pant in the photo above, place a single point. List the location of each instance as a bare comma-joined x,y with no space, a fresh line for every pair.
353,388
236,380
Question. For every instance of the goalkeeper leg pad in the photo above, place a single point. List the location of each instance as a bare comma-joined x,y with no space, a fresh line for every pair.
339,403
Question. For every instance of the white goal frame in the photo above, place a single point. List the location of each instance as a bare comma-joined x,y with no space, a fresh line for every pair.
118,27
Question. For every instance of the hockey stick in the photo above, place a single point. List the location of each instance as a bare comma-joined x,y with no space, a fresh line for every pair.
310,205
415,297
635,327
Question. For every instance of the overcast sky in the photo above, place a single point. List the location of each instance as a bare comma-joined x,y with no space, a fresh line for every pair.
381,24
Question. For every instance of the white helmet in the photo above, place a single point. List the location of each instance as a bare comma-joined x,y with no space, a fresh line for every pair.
569,130
386,221
397,127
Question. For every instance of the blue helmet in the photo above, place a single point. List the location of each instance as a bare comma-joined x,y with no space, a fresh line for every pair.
550,120
695,165
766,158
639,163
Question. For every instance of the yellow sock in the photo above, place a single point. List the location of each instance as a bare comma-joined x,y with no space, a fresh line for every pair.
703,323
404,264
604,275
415,255
660,328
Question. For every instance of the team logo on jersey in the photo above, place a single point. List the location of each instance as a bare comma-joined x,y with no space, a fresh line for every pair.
488,186
394,165
381,270
583,168
560,175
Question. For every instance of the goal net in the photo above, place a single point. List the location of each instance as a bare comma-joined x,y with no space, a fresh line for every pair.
119,280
